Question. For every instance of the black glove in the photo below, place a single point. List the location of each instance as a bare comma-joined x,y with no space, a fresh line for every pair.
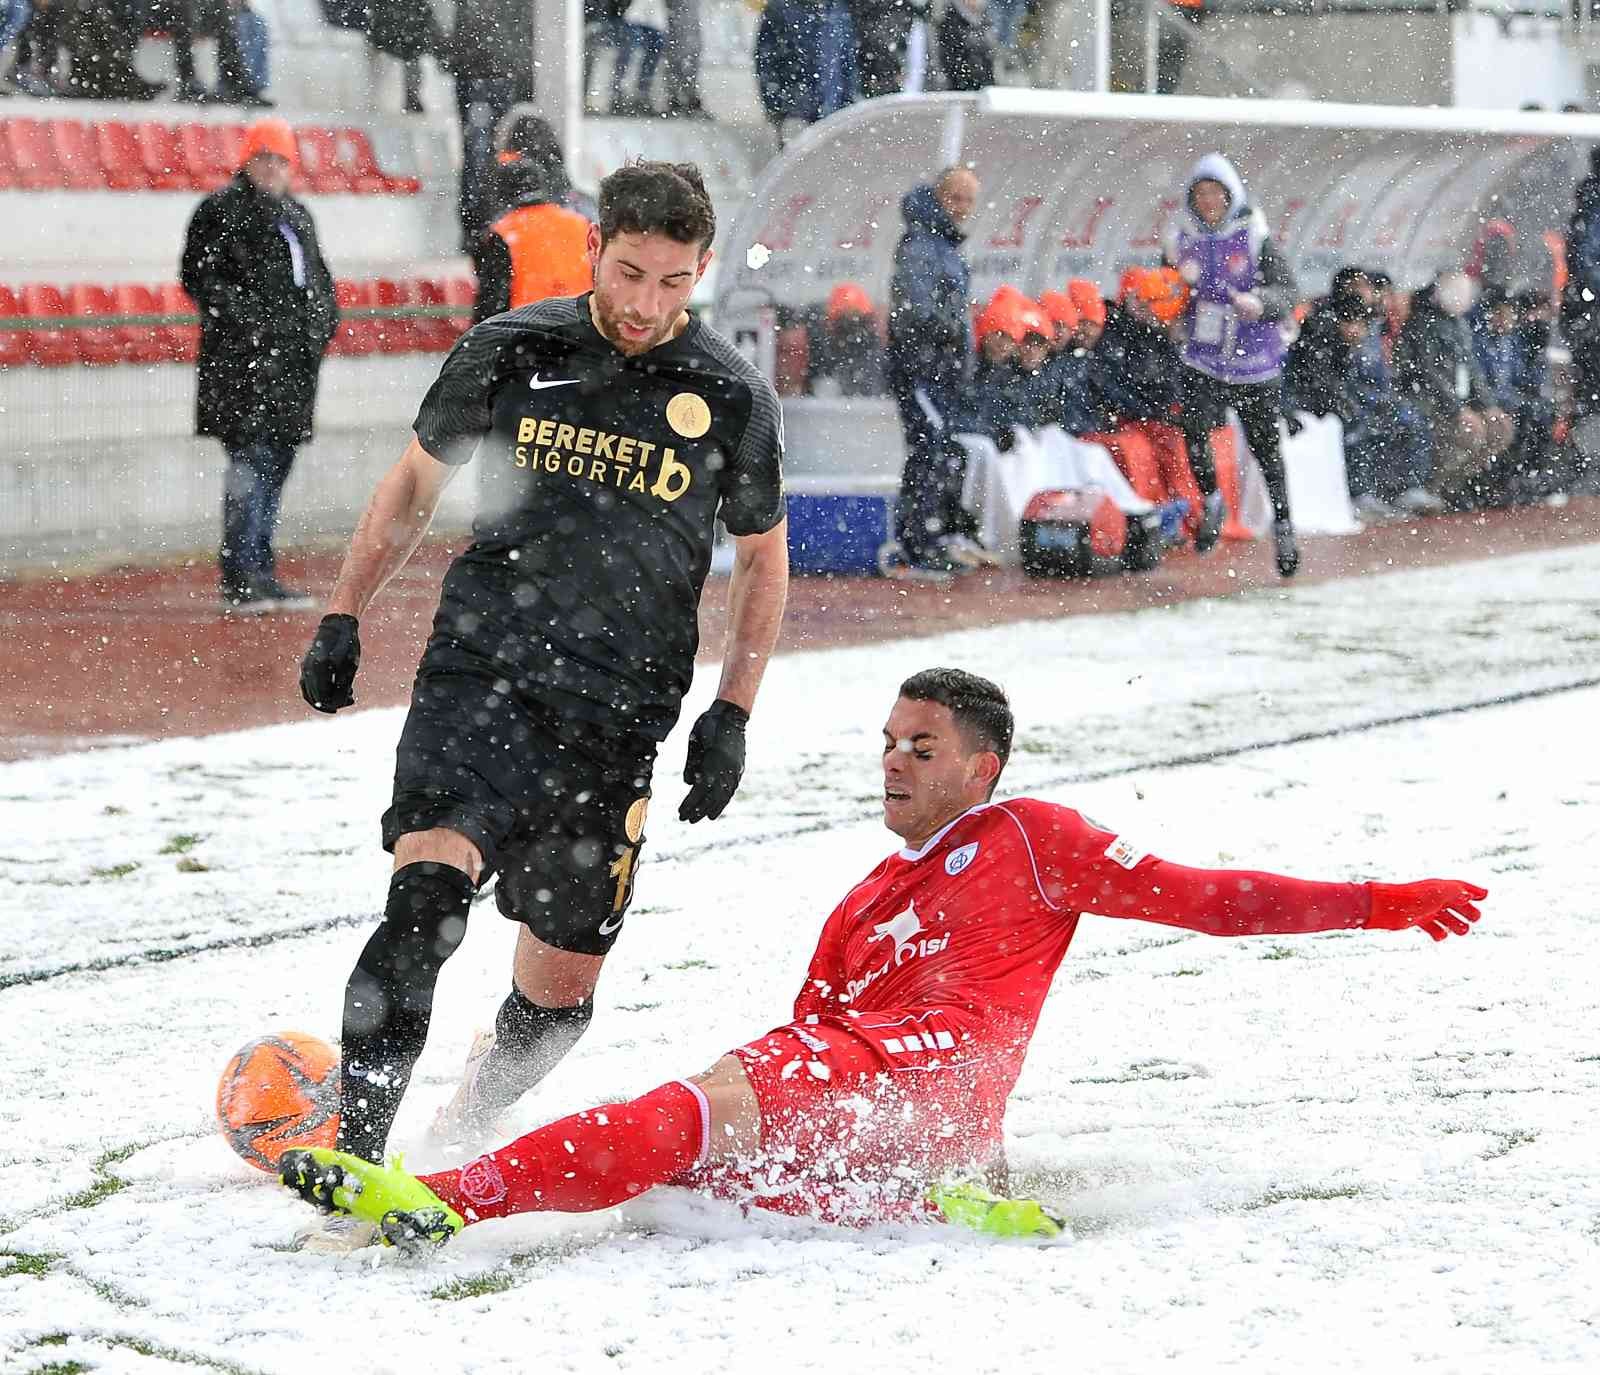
716,760
328,672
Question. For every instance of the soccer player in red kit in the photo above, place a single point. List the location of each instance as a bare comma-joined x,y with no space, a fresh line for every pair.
887,1088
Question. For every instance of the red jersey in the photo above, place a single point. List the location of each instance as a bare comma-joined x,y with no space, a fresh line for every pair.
978,919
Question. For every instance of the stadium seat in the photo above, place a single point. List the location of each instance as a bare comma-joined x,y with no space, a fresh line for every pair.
230,140
319,161
33,156
97,345
49,348
463,292
8,169
77,154
358,159
161,153
119,156
204,156
355,338
183,341
436,333
140,343
13,342
395,335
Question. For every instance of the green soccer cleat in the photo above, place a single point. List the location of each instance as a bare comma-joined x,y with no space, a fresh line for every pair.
404,1209
966,1203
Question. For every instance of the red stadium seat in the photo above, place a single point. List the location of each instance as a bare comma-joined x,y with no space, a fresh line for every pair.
435,333
140,343
8,169
395,335
183,341
161,153
96,345
204,156
463,292
33,156
357,157
119,156
49,348
13,342
359,337
230,140
319,161
77,154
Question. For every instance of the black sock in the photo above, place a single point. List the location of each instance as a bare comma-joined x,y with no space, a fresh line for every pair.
388,1001
529,1042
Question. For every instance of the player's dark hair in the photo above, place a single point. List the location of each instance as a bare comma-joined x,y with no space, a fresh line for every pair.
658,198
981,711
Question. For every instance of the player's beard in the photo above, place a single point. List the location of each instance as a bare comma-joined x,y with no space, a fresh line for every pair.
610,322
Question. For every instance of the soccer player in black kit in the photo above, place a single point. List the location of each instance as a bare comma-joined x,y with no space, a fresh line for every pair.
610,430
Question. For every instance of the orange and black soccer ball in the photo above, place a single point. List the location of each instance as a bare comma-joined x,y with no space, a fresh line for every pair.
277,1093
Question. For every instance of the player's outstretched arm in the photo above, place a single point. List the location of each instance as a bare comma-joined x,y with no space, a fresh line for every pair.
756,597
1438,906
396,519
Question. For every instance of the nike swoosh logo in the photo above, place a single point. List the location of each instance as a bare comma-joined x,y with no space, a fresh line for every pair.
607,927
537,385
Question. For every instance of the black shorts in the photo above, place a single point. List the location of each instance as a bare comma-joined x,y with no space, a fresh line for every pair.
556,807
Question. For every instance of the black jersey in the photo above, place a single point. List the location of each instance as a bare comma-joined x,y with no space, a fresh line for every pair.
599,479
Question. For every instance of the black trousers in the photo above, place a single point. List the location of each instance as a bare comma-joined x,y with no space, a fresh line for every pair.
1260,406
929,506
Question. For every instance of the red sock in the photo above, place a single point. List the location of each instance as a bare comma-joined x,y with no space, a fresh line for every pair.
594,1159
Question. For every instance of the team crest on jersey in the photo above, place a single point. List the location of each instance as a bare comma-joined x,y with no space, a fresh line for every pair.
957,860
688,415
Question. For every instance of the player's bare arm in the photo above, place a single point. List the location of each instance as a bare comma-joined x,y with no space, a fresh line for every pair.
394,523
756,597
397,517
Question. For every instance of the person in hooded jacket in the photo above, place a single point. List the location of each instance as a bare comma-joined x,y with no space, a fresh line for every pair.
1580,298
536,248
1241,288
930,358
267,315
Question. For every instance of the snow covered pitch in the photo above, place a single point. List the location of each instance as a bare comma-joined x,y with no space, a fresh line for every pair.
1347,1152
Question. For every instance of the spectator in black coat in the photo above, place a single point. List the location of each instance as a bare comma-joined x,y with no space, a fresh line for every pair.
966,46
491,58
409,30
805,61
267,314
1437,368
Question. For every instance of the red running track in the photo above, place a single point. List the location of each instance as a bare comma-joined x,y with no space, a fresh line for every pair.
141,653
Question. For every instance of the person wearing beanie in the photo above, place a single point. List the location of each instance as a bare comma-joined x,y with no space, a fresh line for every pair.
253,265
847,357
1242,290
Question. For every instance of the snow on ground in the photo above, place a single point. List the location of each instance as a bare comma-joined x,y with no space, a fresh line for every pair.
1346,1152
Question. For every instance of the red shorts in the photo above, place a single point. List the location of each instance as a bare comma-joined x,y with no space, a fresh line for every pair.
859,1112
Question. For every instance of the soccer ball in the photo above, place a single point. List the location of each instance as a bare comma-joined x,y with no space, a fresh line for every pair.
279,1092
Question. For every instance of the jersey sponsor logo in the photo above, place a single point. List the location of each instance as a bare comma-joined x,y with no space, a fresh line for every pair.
482,1183
536,383
599,456
1122,852
957,860
905,929
688,415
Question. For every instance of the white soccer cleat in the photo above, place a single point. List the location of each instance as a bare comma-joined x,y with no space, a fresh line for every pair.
463,1121
337,1236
